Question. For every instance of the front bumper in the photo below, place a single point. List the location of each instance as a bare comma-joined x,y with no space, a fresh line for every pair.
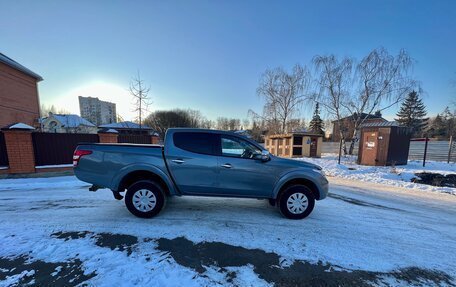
323,188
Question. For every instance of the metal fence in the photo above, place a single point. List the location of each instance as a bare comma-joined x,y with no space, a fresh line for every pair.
57,148
333,147
3,152
137,139
436,150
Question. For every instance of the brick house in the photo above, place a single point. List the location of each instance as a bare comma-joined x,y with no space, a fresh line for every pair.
19,100
349,124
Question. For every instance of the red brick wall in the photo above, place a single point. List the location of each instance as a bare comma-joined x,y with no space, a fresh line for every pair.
18,97
107,138
20,151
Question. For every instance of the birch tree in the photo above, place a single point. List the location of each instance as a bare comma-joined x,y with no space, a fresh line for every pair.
284,93
356,88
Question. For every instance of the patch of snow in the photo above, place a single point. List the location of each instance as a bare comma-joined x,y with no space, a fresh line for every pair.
4,167
21,126
27,184
399,176
54,166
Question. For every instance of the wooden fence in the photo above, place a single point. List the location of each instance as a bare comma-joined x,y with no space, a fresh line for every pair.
56,148
3,151
131,138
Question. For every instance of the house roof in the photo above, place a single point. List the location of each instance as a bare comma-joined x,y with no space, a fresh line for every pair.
380,124
71,121
288,135
363,116
125,125
13,64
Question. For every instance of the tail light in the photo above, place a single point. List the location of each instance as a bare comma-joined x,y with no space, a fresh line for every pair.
78,154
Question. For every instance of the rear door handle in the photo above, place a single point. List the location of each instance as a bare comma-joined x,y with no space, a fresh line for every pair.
226,165
179,161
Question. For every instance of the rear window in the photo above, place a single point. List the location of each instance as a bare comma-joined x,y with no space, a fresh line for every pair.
203,143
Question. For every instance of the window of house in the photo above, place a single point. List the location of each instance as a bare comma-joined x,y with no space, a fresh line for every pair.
297,151
297,140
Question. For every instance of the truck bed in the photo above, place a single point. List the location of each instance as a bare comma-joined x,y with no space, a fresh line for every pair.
109,161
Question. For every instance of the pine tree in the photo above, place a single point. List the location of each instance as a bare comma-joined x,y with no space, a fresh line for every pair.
449,119
413,114
437,127
316,125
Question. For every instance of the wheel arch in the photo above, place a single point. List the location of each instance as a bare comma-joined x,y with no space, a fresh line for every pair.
298,181
129,176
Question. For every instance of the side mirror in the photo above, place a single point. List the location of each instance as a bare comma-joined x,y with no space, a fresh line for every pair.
263,156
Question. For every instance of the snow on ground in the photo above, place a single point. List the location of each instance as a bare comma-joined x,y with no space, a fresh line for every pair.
400,175
358,227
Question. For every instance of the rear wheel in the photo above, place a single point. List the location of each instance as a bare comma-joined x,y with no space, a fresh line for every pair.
145,199
296,202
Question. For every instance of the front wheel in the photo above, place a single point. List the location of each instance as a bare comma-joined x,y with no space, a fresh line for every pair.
145,199
296,202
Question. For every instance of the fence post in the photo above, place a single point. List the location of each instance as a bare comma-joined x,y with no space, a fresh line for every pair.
340,150
449,149
19,146
425,151
109,136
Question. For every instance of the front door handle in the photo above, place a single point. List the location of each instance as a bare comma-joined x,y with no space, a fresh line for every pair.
179,161
226,165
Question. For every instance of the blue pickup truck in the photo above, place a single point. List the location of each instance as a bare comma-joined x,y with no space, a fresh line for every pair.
201,163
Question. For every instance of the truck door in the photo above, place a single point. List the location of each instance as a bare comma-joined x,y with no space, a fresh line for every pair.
241,174
192,161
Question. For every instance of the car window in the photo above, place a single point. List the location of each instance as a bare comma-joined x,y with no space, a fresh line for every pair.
203,143
235,147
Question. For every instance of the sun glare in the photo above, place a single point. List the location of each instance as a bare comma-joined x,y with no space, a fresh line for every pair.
102,90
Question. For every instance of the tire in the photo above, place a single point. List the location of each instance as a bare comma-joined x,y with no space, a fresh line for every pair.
296,202
145,199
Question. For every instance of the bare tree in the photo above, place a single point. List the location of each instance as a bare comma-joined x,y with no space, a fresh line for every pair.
245,124
348,87
297,125
161,121
46,110
383,80
177,118
284,94
140,94
228,124
333,79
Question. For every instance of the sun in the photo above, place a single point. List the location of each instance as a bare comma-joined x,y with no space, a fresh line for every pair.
104,91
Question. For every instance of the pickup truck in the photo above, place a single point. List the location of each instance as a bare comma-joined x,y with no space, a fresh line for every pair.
199,162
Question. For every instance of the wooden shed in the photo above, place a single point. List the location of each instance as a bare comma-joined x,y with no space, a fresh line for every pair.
301,144
383,144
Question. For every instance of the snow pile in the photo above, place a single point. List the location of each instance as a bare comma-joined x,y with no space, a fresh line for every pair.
400,176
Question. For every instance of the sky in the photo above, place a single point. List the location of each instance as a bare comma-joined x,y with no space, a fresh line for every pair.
209,55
